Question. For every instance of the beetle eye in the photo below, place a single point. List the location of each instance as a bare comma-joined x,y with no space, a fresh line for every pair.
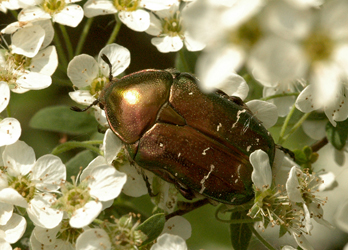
101,106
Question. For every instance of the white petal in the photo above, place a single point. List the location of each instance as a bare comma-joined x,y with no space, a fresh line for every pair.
341,217
262,173
283,103
178,225
106,182
85,215
329,182
135,185
235,85
138,20
19,158
82,70
293,186
305,101
49,31
157,4
100,116
169,242
11,196
112,146
4,245
32,13
192,44
315,128
215,67
10,131
335,19
98,7
71,15
33,80
119,57
307,220
15,228
337,109
45,62
4,95
93,239
46,236
42,214
82,96
48,173
155,28
274,60
167,43
317,213
266,112
302,242
98,161
6,211
27,41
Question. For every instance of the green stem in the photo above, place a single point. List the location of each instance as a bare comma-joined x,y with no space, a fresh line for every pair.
240,221
296,126
61,54
75,144
67,41
278,95
8,110
14,13
183,60
285,124
260,238
83,36
114,33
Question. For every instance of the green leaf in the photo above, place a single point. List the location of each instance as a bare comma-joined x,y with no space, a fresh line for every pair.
338,135
185,60
240,233
82,159
152,227
62,119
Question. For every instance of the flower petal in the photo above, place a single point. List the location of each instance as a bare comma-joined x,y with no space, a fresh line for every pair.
82,70
48,173
6,211
45,62
98,7
262,173
93,239
293,186
34,80
178,225
264,111
10,131
71,15
167,43
82,96
85,215
138,20
14,229
135,185
169,242
112,146
11,196
27,41
5,95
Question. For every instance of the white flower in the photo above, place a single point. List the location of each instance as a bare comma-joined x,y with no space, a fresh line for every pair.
26,182
61,11
262,172
341,217
27,64
169,242
168,26
90,76
311,46
113,150
131,13
9,5
229,31
99,183
12,231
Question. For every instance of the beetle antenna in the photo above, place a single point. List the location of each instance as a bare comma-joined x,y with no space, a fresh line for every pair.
77,109
106,59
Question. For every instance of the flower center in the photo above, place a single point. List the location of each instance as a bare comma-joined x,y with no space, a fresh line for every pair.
23,186
126,5
318,46
53,6
247,34
172,26
97,86
68,233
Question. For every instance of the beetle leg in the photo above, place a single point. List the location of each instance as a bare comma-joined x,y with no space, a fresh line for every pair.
148,185
106,59
286,151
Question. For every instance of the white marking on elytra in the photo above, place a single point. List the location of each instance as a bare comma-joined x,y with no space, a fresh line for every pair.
161,144
176,174
248,148
179,155
205,178
238,116
257,139
190,93
236,181
205,150
218,127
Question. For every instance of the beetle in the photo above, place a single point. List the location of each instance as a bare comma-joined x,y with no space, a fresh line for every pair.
199,142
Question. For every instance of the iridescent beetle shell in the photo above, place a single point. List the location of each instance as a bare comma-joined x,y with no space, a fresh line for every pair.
199,142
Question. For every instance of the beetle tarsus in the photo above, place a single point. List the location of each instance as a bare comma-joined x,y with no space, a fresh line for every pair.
286,151
106,59
77,109
148,185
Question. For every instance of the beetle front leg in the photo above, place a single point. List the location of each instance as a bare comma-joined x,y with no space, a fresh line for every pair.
148,185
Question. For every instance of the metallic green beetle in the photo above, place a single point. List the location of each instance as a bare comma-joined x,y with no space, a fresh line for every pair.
199,142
